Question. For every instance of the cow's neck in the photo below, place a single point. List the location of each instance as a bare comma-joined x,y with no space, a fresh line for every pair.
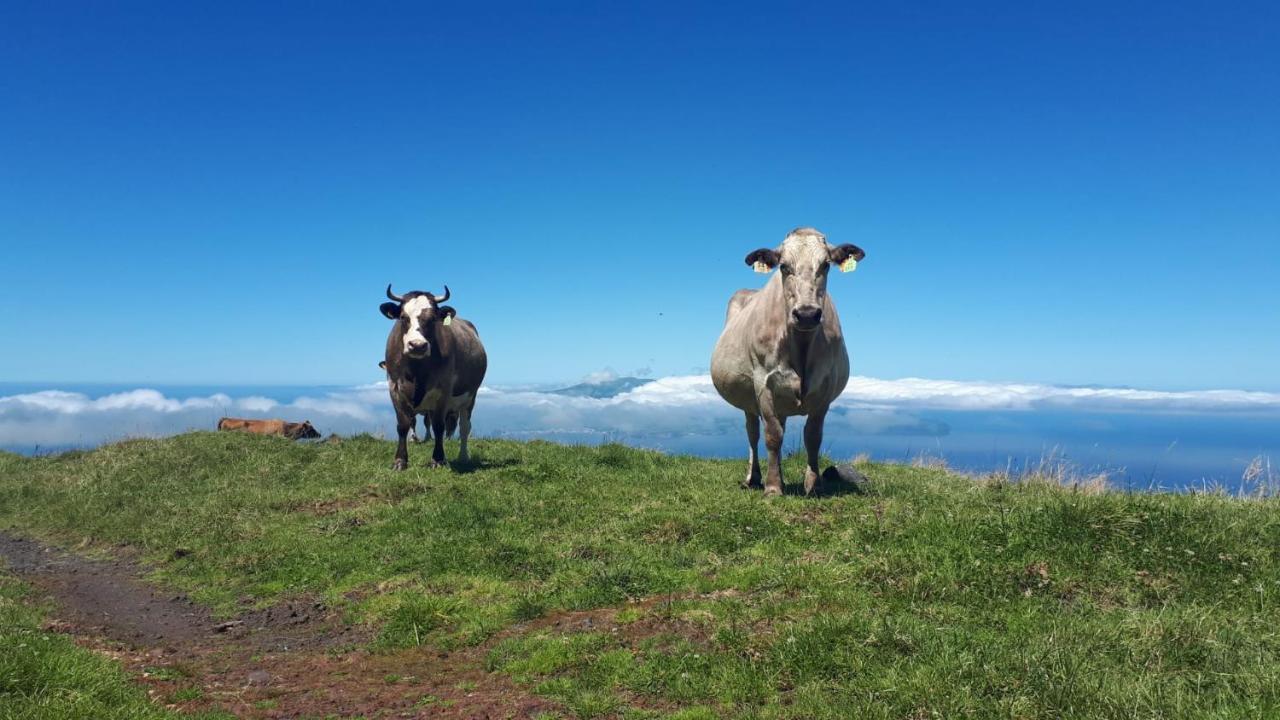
796,347
799,348
441,343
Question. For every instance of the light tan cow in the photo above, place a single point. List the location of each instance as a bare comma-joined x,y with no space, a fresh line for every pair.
782,352
291,430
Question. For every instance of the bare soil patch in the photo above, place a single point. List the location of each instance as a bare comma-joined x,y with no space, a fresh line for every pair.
290,660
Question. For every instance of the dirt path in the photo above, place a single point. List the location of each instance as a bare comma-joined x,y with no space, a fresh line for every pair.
296,659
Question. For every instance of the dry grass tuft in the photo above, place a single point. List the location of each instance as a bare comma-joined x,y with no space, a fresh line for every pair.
929,462
1054,469
1259,479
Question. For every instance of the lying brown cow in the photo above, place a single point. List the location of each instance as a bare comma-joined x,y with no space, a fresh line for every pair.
291,430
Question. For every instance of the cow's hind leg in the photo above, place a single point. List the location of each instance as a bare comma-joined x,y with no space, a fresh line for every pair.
464,432
774,427
753,451
812,444
437,429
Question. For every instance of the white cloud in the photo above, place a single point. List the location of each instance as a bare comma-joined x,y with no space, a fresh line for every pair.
958,395
257,404
59,418
679,406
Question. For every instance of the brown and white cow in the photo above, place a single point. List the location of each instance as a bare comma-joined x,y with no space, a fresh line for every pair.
291,430
782,352
435,363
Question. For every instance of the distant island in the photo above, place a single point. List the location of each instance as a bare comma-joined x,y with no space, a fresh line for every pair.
604,388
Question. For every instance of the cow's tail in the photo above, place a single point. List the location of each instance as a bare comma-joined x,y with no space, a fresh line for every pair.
450,424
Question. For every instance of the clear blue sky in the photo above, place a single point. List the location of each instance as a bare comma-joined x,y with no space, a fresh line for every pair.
1082,193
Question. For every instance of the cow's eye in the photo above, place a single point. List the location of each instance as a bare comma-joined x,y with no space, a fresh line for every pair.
786,269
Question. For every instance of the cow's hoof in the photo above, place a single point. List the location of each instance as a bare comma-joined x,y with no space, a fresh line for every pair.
400,464
437,464
750,484
810,482
773,491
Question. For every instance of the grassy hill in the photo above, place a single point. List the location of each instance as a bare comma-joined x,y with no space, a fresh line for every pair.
928,595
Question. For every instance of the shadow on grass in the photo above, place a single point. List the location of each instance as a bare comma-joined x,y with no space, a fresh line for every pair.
477,464
836,480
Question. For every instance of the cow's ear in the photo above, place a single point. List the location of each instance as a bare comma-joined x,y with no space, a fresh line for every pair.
446,311
763,255
391,310
840,253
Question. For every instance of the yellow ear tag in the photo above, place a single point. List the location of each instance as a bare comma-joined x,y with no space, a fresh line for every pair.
448,320
849,265
761,267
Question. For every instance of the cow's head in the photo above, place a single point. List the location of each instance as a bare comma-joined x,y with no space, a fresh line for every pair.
804,258
418,314
301,431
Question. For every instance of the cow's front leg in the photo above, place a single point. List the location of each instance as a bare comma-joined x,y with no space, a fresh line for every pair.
812,444
774,427
437,429
403,424
753,451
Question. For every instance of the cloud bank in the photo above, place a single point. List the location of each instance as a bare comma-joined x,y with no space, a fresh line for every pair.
680,406
959,395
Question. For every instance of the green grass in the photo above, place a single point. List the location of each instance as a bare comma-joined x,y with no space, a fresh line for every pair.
930,596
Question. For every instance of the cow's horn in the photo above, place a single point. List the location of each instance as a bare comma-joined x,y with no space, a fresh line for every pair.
442,299
391,296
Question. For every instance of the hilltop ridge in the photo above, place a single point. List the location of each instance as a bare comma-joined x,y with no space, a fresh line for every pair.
614,582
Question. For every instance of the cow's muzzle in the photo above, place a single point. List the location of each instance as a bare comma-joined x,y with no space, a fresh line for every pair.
807,317
417,349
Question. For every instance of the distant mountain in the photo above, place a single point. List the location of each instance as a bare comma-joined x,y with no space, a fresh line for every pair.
604,388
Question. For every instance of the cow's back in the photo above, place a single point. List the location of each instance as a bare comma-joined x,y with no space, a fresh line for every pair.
258,427
737,302
734,360
470,361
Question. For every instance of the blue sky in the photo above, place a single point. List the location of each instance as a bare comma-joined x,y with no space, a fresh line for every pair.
1081,194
